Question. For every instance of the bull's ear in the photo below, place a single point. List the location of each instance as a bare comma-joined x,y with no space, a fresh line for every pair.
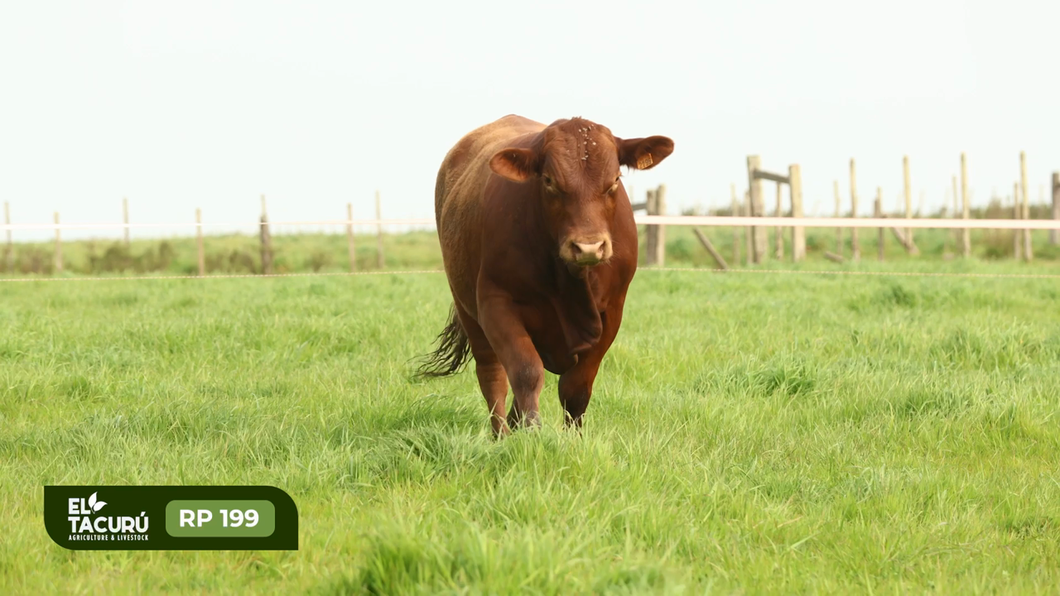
643,154
517,165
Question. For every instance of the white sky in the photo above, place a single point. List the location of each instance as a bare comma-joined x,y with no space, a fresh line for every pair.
209,104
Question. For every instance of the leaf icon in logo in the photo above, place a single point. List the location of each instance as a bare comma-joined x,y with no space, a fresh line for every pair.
94,505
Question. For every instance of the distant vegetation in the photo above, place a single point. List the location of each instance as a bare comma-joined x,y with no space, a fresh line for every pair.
317,252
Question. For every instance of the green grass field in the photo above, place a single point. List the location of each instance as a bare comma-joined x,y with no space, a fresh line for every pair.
753,433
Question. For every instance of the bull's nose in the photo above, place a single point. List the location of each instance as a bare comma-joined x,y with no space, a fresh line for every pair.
592,252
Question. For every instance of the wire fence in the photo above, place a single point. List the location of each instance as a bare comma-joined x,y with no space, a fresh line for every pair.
219,276
649,220
323,222
719,221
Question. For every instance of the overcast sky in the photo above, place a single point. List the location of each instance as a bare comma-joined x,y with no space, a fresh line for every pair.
209,104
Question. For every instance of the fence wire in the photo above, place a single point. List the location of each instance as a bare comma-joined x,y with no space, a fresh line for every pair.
436,271
707,221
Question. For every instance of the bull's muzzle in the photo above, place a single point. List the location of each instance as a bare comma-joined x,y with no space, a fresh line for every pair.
586,252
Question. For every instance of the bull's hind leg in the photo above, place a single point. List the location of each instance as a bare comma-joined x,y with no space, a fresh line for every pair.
491,378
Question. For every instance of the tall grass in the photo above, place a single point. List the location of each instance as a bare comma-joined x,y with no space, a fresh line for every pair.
759,434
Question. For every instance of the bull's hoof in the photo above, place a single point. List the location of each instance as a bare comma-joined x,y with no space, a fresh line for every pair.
500,428
532,422
574,423
528,420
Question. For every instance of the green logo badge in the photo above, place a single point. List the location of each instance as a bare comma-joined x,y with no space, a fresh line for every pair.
171,518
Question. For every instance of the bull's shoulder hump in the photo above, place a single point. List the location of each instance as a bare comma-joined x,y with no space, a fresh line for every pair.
503,130
477,146
520,123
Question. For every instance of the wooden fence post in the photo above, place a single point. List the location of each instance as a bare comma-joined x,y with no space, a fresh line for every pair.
1028,235
1041,197
266,241
945,212
1017,213
956,198
759,242
1028,247
651,232
125,218
966,234
798,233
908,200
58,246
778,232
748,232
1054,235
198,242
349,237
9,250
879,213
655,237
838,231
855,244
380,261
956,210
660,235
736,240
718,259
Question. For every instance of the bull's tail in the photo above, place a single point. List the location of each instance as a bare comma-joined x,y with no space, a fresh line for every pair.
452,352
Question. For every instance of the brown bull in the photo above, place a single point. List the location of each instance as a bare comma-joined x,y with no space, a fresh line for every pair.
539,246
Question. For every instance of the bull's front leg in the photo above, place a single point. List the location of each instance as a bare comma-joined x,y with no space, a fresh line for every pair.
507,334
576,385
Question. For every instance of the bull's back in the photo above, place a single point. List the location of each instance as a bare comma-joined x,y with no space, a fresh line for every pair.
458,196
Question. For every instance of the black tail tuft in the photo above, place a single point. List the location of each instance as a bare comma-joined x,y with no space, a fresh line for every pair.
451,354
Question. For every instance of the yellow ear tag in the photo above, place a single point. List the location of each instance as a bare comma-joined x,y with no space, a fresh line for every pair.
644,161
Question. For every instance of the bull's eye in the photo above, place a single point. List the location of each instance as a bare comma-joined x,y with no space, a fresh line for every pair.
550,184
614,187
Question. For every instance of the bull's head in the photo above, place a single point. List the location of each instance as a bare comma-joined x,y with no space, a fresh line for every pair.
576,163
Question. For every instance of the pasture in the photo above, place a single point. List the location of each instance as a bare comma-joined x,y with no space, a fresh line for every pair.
757,433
